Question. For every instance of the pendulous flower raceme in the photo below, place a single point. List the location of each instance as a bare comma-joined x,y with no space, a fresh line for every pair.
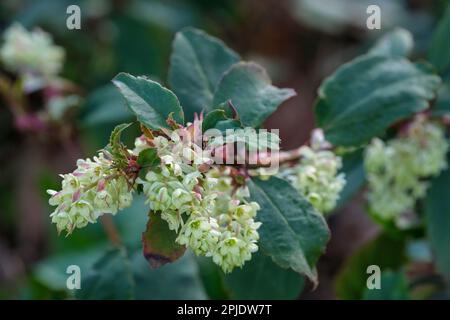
396,169
93,189
316,176
207,210
31,52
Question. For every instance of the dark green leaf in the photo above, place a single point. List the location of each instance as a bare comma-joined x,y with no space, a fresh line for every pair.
212,278
367,95
197,63
384,251
441,106
148,157
439,52
51,272
151,102
117,276
261,278
292,232
178,280
249,88
221,118
394,286
212,118
110,278
437,208
159,242
396,43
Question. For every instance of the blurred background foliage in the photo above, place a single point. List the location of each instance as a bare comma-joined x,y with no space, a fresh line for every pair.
300,42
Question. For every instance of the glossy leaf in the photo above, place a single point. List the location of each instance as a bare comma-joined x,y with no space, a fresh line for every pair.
292,233
439,52
151,103
249,88
396,43
367,95
197,63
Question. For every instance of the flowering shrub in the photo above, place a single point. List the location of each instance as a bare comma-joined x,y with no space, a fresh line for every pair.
216,184
225,209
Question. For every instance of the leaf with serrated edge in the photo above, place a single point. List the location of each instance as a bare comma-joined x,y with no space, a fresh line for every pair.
151,102
197,63
292,232
249,89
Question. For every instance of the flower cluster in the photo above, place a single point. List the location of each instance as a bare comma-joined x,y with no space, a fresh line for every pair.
209,213
93,189
317,175
31,52
396,169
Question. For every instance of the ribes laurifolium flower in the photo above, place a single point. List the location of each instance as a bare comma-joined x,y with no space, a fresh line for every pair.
93,189
396,169
30,52
316,176
210,214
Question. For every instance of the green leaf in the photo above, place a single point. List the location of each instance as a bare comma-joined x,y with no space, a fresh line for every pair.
148,157
118,151
441,106
51,272
292,232
261,278
151,102
212,118
110,278
353,167
178,280
394,286
384,251
197,63
122,274
221,118
249,88
212,278
396,43
367,95
439,52
159,242
437,211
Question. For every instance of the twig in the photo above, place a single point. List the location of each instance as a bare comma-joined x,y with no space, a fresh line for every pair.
111,230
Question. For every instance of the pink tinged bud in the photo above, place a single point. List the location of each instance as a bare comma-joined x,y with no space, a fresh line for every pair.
204,167
198,195
76,195
101,185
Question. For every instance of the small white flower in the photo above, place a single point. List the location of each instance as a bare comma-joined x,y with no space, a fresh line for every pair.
396,169
32,52
87,193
